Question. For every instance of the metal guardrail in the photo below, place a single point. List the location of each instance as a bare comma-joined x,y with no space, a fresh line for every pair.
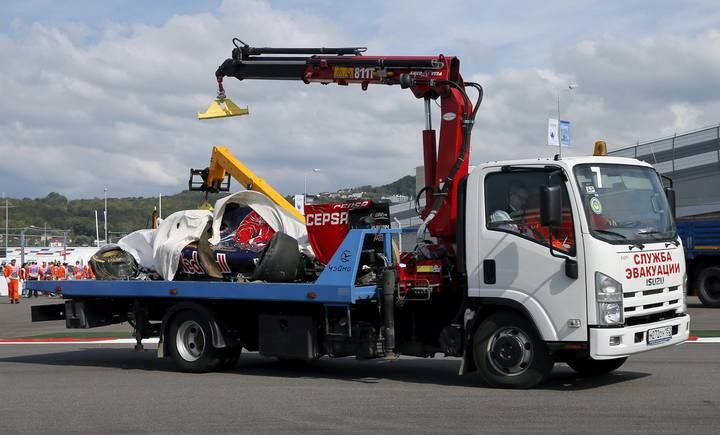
692,161
696,152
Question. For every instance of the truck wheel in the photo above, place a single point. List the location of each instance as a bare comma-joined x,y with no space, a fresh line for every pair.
279,260
595,367
191,343
509,353
708,286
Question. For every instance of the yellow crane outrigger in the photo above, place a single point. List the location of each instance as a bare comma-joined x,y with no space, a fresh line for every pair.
216,178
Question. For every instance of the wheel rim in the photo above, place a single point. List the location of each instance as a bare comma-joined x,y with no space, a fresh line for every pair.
190,341
510,351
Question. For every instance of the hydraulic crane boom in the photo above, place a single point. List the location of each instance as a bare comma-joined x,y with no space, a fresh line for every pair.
222,164
428,77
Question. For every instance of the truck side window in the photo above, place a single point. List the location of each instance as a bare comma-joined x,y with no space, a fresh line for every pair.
512,204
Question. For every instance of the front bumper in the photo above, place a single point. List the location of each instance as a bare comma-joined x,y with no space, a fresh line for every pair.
633,339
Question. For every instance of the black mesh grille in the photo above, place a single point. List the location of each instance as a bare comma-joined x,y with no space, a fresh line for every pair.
651,318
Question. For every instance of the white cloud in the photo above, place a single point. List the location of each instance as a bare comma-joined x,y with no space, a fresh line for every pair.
91,105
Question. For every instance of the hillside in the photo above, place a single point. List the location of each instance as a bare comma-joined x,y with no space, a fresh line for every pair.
404,186
124,214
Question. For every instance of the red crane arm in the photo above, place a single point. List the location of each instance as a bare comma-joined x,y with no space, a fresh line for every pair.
428,77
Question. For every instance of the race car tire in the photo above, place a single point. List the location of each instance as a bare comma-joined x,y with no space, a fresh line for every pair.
111,262
279,260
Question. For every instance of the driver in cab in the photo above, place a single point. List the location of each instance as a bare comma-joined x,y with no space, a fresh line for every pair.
517,217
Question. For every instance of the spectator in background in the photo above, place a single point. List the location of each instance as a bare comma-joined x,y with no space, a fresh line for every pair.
78,271
52,271
41,271
12,275
23,277
33,274
89,274
62,272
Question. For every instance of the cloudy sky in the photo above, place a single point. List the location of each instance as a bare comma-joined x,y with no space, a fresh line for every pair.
103,94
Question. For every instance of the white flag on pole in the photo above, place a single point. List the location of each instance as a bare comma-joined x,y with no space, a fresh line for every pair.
553,133
300,203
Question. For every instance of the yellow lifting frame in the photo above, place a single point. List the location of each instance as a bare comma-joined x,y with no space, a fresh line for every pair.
224,162
223,108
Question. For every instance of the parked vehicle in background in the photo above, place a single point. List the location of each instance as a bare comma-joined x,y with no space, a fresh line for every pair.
701,239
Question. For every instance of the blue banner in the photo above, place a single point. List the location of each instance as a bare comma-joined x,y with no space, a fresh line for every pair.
565,133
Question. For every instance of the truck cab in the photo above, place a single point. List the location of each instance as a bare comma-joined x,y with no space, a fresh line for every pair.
605,282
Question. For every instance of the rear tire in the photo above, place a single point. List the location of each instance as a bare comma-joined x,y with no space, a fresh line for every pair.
190,343
596,367
509,353
279,260
708,286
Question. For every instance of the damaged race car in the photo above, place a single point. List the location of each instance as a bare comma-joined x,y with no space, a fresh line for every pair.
246,238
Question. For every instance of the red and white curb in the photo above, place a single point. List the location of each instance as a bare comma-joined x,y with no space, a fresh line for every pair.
76,341
694,339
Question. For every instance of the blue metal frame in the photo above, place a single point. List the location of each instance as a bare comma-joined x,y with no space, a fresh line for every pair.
336,284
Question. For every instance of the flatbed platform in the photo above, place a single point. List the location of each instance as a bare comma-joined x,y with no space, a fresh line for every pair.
290,292
335,285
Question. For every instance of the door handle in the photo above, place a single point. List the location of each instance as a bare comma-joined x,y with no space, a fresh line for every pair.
489,275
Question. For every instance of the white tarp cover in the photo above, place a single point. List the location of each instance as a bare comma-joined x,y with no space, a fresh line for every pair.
140,245
159,250
174,233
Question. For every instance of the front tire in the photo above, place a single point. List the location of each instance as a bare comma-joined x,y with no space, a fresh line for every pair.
191,343
509,353
595,367
708,286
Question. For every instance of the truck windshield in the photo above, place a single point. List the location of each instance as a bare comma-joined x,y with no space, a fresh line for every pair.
625,204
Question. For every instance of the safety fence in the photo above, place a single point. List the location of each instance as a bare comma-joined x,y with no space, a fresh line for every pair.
694,153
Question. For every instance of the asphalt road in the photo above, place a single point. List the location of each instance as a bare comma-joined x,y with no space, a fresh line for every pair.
111,389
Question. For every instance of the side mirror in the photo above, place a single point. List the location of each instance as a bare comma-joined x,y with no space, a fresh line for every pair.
550,206
670,195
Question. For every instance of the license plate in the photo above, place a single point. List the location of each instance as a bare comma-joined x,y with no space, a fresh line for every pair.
659,335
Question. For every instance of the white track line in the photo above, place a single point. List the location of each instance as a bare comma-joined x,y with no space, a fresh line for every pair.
110,341
705,340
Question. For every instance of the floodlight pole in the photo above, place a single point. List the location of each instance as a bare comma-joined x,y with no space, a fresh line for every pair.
558,128
316,170
559,122
7,207
105,217
22,246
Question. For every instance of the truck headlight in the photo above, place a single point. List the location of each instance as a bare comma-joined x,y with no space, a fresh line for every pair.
609,297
